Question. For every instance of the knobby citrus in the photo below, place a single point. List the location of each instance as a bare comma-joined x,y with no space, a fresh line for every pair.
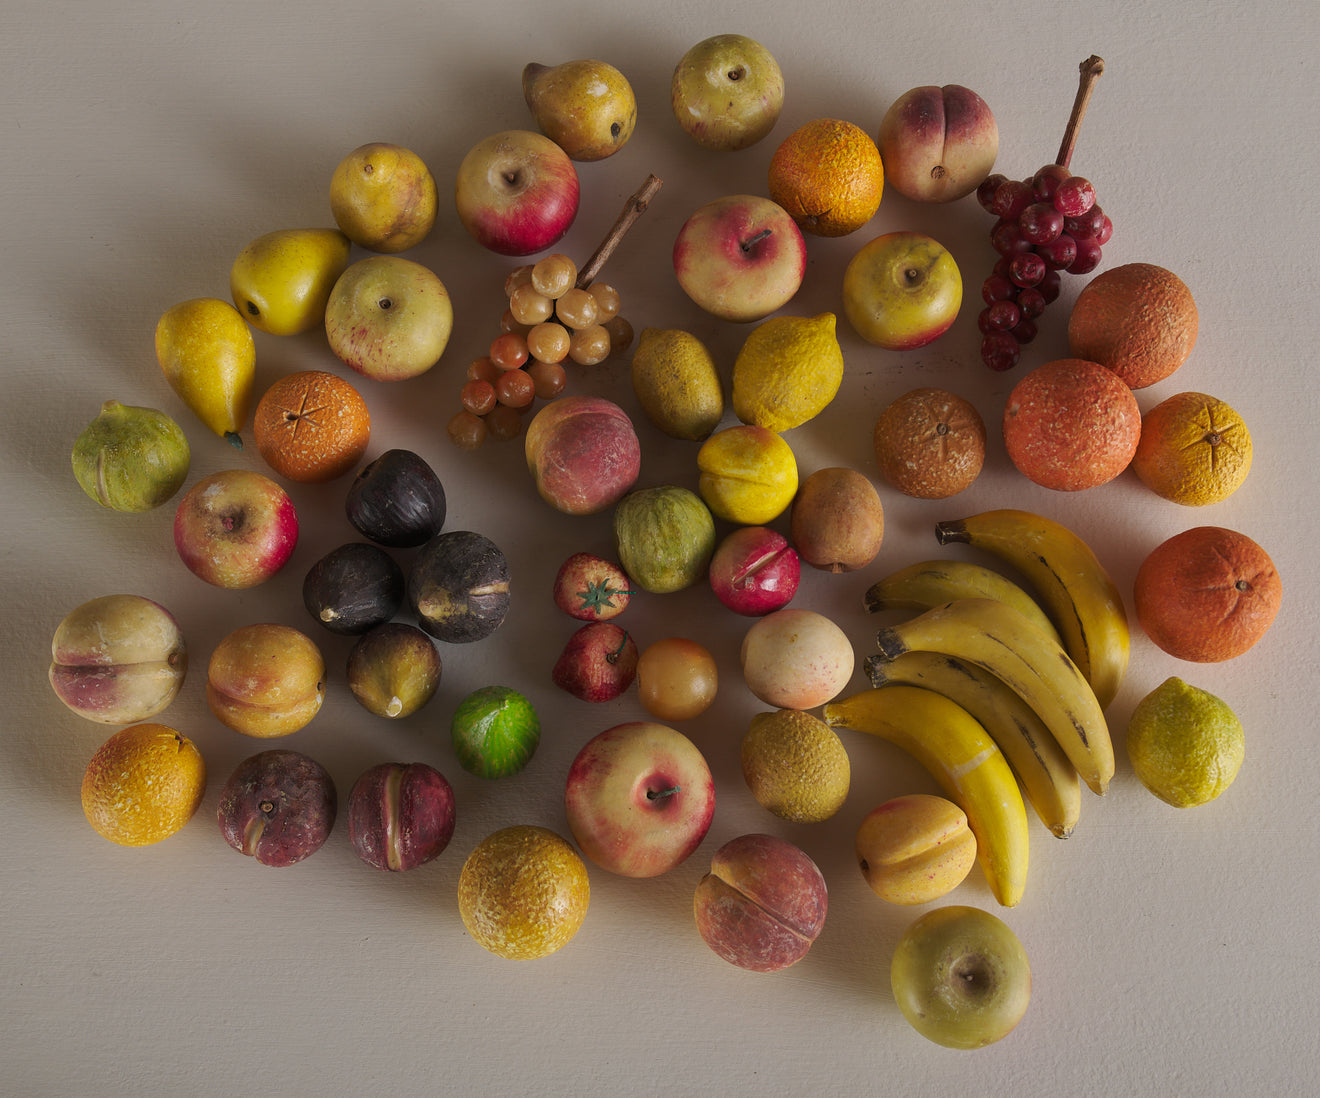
930,443
311,426
143,784
1194,450
828,176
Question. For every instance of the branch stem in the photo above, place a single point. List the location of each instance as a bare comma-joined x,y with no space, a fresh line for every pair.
632,210
1090,71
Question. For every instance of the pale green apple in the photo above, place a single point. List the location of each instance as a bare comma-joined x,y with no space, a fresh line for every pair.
585,107
727,92
389,318
902,290
281,281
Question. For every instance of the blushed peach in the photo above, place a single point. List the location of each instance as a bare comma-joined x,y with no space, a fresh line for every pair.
583,453
915,849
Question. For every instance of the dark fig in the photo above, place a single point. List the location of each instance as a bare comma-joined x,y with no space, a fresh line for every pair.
400,815
278,807
397,500
354,588
459,586
394,670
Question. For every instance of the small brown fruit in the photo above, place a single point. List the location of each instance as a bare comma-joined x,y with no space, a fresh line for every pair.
837,522
930,443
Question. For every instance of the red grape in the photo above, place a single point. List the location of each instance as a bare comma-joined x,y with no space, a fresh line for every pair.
1040,223
1000,351
1074,196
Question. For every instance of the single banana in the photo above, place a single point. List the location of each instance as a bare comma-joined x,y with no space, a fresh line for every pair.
931,583
1048,778
951,744
1072,584
992,635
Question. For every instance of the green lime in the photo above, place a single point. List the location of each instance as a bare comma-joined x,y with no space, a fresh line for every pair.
1185,744
495,732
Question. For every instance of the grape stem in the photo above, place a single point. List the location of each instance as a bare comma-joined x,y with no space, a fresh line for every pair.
632,210
1090,71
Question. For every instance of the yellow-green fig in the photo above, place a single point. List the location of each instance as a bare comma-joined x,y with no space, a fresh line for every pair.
585,107
130,458
281,281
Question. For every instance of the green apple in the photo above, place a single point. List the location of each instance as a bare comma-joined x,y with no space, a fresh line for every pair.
383,197
281,281
902,290
727,92
389,318
586,107
961,977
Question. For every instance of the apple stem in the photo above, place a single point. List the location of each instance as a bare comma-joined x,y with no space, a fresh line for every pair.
1090,71
632,210
656,794
746,245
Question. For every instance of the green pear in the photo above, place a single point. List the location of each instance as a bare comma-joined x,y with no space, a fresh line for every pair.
587,107
130,458
282,280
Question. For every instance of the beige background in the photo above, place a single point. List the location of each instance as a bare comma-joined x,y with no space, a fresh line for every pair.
148,142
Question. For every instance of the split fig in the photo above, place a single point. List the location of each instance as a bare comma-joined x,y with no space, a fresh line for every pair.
278,807
459,586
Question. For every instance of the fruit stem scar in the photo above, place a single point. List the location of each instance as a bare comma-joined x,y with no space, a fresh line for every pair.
656,794
385,303
746,245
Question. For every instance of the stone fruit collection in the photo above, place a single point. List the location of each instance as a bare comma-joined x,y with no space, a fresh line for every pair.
998,688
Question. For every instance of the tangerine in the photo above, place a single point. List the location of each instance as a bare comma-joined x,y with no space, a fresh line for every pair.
143,784
1071,424
1207,594
1138,320
930,443
311,426
1194,450
828,176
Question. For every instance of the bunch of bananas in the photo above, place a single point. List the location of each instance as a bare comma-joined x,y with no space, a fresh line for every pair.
990,684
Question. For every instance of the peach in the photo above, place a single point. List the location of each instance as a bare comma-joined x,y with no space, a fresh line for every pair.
762,904
583,453
938,144
118,659
796,659
265,680
915,849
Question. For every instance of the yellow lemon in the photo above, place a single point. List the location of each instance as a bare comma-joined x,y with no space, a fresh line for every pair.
1194,449
828,176
523,892
788,370
677,383
748,474
1185,744
206,352
143,784
795,765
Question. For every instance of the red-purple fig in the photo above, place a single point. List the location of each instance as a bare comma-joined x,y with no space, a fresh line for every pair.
400,815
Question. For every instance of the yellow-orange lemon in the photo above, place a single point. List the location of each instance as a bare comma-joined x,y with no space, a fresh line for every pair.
143,784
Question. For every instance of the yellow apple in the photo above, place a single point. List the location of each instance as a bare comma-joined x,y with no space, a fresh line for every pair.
281,281
902,290
383,197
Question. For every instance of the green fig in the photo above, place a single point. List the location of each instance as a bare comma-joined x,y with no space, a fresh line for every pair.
281,281
131,459
587,107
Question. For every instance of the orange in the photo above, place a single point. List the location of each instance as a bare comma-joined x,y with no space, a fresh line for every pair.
143,784
828,176
1071,424
1194,450
1207,594
523,892
311,426
1138,320
930,443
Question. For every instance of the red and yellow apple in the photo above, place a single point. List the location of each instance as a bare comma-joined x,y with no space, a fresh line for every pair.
902,290
235,528
517,192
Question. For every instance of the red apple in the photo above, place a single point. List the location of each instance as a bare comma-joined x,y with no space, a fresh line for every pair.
517,192
598,663
235,528
755,571
740,257
591,588
639,798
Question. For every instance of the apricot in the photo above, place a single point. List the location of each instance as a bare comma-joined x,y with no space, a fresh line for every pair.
583,453
762,904
915,849
265,680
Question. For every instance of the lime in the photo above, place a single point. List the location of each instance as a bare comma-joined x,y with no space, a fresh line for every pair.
1185,744
495,731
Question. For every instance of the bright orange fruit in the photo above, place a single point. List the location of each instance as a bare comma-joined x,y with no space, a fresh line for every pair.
143,784
828,176
1194,450
311,426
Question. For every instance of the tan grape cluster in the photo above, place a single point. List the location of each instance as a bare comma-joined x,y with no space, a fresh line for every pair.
550,321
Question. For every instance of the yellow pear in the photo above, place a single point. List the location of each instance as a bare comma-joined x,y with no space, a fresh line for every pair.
383,197
586,107
282,280
206,352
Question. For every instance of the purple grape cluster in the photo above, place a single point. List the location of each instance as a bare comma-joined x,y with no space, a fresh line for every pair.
1044,225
